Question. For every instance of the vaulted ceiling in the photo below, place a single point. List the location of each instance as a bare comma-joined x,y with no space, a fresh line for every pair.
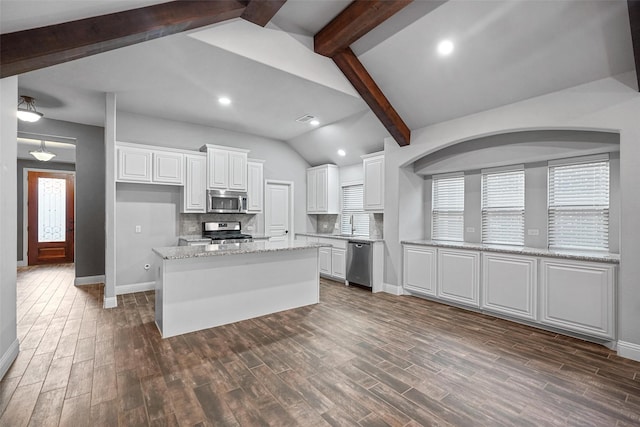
505,51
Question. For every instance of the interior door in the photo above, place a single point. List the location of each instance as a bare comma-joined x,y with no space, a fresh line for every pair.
277,216
51,217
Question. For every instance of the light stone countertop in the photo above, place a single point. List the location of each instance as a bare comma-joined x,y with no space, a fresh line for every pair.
522,250
184,252
343,237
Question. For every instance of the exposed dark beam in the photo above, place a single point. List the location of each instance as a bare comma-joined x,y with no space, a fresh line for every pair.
29,50
260,12
634,20
355,72
356,20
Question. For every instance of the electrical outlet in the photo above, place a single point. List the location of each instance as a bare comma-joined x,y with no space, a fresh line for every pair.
138,229
193,228
249,227
471,230
325,226
533,232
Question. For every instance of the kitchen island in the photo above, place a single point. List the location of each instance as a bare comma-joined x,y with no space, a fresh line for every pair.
199,287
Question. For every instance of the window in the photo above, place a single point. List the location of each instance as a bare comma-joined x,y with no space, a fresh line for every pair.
579,204
354,220
503,206
447,220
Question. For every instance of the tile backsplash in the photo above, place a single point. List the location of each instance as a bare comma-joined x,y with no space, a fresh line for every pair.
190,224
331,224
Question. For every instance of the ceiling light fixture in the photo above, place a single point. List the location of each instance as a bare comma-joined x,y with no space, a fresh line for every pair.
341,153
27,109
224,100
314,122
42,154
445,47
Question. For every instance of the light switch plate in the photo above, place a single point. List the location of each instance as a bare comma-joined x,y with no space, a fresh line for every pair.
471,230
138,229
533,231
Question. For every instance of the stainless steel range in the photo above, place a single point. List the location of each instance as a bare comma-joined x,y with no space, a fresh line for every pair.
225,232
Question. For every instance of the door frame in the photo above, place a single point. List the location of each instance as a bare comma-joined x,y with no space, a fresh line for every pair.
25,209
291,199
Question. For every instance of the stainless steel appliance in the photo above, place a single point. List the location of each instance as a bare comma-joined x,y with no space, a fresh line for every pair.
224,232
222,201
359,263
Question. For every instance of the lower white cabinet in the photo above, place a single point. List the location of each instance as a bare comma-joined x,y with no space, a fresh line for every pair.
459,276
338,263
420,269
578,296
324,261
509,284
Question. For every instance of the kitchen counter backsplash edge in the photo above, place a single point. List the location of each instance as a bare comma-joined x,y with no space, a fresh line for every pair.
564,254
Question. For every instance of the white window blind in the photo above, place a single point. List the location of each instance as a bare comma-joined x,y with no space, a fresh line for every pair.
503,207
579,205
354,220
447,220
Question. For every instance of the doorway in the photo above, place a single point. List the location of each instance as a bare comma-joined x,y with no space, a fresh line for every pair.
51,217
278,210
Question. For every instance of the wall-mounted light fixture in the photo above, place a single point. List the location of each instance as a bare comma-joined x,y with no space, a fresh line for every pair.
27,109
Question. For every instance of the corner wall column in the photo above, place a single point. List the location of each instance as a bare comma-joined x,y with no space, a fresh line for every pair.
110,300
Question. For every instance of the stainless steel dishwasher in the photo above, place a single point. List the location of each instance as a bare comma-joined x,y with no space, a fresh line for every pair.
359,263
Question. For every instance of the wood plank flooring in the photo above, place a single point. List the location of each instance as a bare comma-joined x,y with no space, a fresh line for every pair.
354,359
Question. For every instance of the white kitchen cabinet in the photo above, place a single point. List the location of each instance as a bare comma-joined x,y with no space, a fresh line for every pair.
338,263
323,190
458,273
226,167
255,186
194,192
419,267
509,284
324,261
373,168
168,167
134,164
578,296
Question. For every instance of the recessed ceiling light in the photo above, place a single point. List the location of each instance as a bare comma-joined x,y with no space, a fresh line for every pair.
314,122
445,47
342,153
224,100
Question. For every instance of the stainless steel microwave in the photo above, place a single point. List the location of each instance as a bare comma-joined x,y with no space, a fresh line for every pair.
222,201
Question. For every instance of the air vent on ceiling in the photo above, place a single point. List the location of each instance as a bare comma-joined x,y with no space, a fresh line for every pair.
305,119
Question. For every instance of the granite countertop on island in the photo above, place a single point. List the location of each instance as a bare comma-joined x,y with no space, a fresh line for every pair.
183,252
365,239
522,250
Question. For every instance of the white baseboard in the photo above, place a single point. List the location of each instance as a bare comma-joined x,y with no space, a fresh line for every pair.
629,350
89,280
392,289
135,287
110,302
8,357
22,263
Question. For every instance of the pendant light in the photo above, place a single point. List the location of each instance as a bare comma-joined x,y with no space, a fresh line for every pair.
42,154
27,109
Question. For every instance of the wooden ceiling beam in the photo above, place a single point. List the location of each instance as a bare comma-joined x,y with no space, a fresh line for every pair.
355,21
260,12
355,72
29,50
634,21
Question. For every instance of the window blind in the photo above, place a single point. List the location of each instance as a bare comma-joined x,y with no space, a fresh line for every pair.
503,207
579,205
353,211
448,208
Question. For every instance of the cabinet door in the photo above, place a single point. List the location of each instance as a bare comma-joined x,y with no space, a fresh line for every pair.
458,276
311,191
374,184
322,181
338,263
218,170
194,194
578,296
509,285
419,269
134,164
237,171
167,168
324,261
255,187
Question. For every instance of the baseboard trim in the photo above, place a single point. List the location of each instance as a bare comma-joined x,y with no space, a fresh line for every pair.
111,302
392,289
22,263
135,287
89,280
9,357
629,350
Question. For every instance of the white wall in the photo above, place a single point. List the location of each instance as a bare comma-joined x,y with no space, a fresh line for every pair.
8,220
611,104
351,173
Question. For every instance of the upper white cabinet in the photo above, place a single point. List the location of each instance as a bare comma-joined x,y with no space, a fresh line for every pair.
578,296
195,186
323,190
143,163
255,186
373,167
226,167
509,284
459,276
420,269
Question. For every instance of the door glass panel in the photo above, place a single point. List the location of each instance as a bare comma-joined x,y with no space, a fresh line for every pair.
51,209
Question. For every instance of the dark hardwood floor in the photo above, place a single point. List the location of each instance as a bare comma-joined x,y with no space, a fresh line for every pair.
353,359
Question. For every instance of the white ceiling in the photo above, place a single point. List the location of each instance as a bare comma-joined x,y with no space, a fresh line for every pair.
506,51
